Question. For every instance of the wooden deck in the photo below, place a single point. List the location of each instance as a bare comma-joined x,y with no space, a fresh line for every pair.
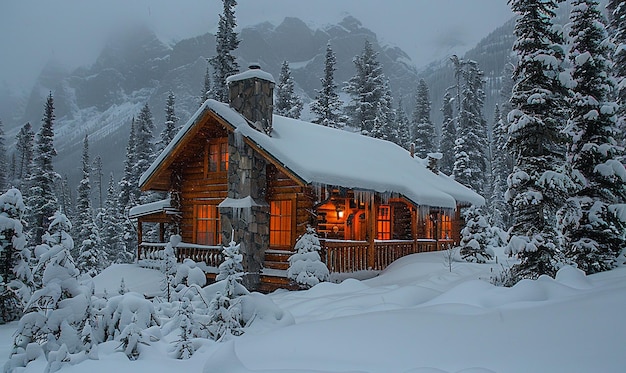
340,256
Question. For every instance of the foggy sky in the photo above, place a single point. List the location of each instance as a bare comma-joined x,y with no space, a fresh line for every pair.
73,32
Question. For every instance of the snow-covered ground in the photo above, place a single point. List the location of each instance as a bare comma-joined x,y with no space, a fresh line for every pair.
414,317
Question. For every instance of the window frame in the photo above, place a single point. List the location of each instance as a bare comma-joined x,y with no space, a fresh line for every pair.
285,224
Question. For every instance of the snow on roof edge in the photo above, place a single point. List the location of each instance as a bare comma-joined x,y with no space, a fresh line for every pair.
149,208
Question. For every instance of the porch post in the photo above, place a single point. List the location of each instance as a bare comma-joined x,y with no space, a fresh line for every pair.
414,227
371,253
162,232
139,237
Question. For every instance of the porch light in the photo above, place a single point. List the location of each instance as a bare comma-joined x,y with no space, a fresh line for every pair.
339,212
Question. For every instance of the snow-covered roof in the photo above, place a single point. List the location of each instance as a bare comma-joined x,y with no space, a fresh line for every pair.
328,156
149,208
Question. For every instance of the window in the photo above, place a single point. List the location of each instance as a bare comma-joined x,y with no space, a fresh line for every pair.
280,223
217,155
383,223
442,230
446,227
207,225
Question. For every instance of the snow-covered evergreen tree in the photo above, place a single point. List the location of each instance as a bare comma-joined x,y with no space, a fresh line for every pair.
422,128
84,212
448,135
25,148
287,104
225,312
184,347
327,104
55,315
476,237
144,146
42,200
231,266
470,149
403,128
206,87
129,192
113,228
224,63
593,230
305,265
617,16
15,274
168,267
499,168
537,185
171,123
366,90
97,179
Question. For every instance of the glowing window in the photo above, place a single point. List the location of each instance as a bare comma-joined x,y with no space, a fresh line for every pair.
207,225
216,156
383,223
280,223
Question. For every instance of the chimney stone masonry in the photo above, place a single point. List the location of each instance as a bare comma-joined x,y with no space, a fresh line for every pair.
251,93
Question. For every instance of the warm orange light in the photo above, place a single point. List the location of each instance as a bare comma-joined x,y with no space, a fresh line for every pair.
339,214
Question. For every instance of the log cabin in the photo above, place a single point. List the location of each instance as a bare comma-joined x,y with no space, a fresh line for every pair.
237,169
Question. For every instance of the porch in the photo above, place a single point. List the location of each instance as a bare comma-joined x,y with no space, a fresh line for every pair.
340,256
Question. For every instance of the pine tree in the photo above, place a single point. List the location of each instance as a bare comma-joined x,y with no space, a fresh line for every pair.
448,135
475,237
617,16
226,41
206,87
97,170
305,265
144,150
404,132
499,168
422,128
113,223
55,315
594,231
366,90
15,274
84,212
225,312
287,104
537,185
327,104
25,141
4,164
470,149
502,159
171,123
388,115
128,194
90,257
42,199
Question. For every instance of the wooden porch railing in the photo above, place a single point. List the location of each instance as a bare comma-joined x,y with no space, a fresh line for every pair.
351,256
210,255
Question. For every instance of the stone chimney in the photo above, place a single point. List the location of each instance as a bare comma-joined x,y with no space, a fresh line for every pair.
251,93
433,161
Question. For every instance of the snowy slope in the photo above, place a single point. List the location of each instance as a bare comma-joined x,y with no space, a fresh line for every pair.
415,317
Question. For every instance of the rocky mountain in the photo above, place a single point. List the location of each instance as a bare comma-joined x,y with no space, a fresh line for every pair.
136,67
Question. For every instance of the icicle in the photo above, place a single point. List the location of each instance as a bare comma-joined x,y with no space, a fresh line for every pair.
239,140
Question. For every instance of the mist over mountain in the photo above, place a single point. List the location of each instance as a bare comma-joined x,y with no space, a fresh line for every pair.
136,67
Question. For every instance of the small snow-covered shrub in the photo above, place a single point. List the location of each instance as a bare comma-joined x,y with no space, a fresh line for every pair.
476,237
305,265
225,315
126,309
